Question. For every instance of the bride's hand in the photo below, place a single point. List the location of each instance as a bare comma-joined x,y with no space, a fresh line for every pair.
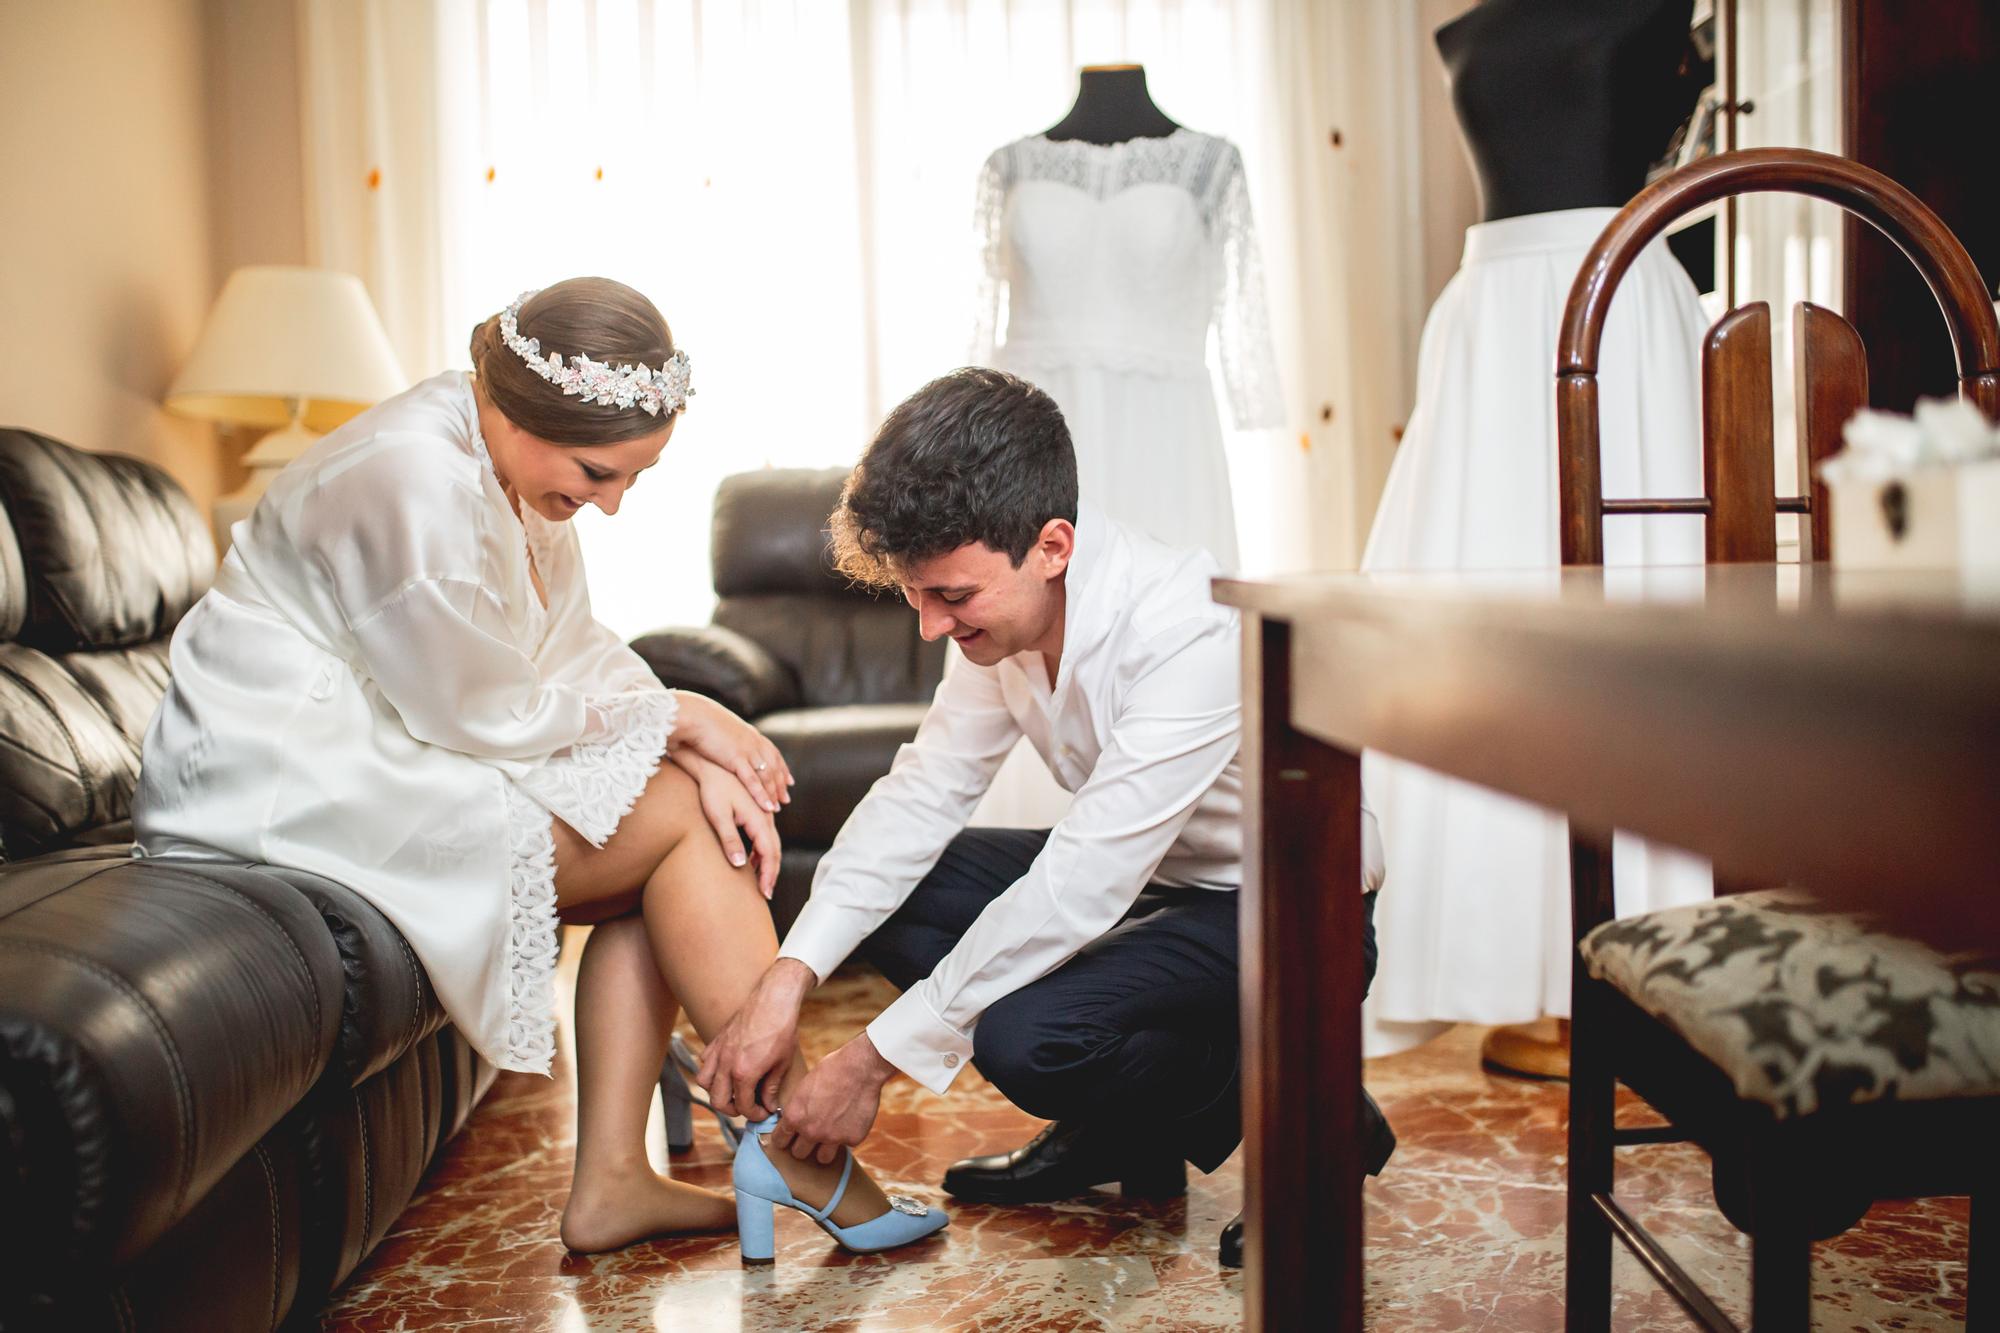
723,738
732,811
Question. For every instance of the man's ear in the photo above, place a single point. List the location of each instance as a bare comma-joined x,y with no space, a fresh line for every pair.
1055,546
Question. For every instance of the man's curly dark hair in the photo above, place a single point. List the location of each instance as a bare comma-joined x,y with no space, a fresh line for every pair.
974,456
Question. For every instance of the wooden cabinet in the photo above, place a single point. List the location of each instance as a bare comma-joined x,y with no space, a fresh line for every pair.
1917,92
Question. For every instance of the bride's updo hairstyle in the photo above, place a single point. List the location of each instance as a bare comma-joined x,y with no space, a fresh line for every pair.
594,317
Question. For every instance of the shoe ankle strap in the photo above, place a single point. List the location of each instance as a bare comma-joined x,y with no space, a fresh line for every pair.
757,1129
840,1190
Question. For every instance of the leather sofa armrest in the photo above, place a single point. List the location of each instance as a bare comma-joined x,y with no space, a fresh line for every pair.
728,667
157,1018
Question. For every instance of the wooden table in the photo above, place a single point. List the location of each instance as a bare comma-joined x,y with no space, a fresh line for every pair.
1839,731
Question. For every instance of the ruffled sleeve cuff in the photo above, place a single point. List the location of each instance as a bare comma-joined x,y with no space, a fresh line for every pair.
594,784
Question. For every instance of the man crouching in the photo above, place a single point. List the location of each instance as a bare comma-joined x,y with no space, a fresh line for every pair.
1090,970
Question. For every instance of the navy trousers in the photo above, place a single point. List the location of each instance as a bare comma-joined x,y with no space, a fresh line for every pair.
1139,1030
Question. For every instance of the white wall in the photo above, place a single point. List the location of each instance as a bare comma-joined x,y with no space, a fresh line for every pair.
148,148
106,265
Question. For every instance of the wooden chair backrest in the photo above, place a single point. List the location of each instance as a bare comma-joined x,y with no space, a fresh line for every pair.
1740,502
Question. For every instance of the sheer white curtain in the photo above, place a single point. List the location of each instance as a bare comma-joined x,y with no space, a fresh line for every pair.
793,184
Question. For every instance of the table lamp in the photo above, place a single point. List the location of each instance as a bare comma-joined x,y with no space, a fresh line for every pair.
300,349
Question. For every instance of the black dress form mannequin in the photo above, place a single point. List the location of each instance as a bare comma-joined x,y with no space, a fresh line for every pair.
1112,106
1565,103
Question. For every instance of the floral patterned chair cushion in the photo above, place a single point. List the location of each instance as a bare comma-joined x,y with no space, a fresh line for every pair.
1804,1007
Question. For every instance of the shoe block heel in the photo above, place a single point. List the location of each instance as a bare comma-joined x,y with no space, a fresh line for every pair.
756,1228
1161,1182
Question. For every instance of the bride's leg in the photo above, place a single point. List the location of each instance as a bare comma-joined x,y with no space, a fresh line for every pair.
713,938
624,1019
710,932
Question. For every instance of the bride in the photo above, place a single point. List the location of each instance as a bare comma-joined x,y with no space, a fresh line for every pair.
396,683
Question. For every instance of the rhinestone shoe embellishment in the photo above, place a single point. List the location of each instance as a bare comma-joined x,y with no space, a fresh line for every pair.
903,1203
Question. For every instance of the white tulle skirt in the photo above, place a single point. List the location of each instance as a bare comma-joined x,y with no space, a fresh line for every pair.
1474,921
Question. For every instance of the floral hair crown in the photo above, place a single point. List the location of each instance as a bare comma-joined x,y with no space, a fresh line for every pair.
651,391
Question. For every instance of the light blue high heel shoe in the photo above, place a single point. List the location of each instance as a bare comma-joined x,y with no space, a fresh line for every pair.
760,1189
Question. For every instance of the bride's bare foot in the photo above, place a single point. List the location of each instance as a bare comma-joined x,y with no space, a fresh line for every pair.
614,1209
812,1183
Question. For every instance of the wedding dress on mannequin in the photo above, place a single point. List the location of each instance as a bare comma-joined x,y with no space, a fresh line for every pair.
1563,103
1114,246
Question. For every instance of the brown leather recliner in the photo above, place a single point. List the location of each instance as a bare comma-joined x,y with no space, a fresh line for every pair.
837,677
219,1084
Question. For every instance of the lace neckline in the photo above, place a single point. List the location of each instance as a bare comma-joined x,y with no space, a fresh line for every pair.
1143,142
1202,164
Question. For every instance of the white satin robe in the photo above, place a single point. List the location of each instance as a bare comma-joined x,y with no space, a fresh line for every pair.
373,692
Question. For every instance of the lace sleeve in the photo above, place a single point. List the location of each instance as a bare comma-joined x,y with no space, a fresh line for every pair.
988,216
1242,319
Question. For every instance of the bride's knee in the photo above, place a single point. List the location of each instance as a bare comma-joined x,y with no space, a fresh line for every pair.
671,800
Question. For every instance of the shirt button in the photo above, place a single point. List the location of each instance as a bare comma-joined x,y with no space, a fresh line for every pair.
951,1062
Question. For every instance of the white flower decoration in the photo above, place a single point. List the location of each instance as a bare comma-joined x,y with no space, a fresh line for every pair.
1956,430
1883,445
651,391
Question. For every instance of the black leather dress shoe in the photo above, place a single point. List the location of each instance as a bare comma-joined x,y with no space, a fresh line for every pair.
1229,1251
1063,1161
1381,1142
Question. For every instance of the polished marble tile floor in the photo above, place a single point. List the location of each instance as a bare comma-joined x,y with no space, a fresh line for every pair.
1465,1228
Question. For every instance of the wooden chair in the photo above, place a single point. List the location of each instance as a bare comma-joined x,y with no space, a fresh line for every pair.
1763,1027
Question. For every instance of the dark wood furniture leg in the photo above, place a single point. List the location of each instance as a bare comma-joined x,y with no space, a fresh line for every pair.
1982,1259
1780,1280
1592,1105
1301,1001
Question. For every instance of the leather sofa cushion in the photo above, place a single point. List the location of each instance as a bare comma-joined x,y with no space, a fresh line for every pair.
114,552
74,725
796,869
292,1219
836,754
387,1006
735,671
254,1216
156,1020
13,581
843,650
770,532
126,684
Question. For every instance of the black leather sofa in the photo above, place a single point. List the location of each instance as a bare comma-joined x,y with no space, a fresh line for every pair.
218,1085
837,677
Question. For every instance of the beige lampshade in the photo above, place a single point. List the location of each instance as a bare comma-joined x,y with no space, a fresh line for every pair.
278,334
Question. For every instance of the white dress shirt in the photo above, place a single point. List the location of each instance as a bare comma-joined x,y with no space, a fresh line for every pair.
1143,725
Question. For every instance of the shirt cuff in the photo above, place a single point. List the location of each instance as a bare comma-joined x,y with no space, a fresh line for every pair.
815,939
919,1043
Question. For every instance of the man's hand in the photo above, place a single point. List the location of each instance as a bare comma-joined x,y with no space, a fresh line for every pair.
834,1106
744,1064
